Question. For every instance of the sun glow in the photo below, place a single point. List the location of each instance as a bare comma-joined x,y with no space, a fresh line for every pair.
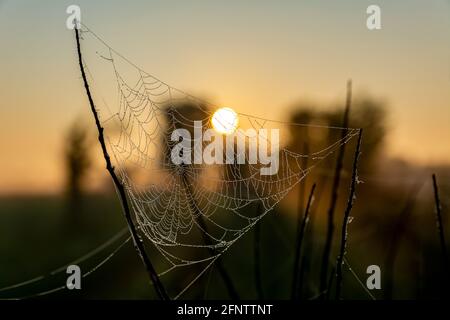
225,120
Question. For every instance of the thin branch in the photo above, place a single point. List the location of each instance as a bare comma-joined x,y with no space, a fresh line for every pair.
393,243
334,195
207,240
344,232
138,244
296,281
300,218
440,227
306,263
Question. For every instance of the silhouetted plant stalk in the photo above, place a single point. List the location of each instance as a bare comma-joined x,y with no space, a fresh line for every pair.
441,231
334,195
300,216
394,241
309,249
206,238
296,284
138,244
344,231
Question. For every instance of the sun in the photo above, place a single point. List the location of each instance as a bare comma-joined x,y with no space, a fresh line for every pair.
225,120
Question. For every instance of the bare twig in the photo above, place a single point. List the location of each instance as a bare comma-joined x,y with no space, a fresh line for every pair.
296,286
394,242
300,217
206,238
307,260
334,195
351,198
440,227
138,244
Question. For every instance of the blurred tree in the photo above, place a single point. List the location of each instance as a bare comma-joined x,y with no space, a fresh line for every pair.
181,116
365,113
77,162
370,115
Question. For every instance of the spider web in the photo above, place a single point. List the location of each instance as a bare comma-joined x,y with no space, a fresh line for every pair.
192,213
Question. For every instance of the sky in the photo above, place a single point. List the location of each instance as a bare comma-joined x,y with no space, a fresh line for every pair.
259,57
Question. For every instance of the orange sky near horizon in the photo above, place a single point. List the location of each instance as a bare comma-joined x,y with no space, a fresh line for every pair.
258,57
